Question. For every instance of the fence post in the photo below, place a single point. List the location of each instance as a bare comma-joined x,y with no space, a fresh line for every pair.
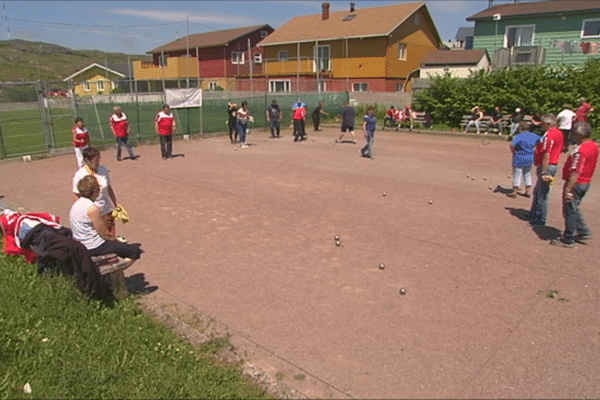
98,118
40,96
3,153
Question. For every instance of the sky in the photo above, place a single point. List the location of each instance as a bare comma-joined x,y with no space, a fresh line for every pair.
135,27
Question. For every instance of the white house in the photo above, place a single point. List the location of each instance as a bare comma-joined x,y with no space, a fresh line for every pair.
458,63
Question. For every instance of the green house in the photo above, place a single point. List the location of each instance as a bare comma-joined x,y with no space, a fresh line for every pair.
539,33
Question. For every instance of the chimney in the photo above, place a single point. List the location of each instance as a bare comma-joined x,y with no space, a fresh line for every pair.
352,7
325,13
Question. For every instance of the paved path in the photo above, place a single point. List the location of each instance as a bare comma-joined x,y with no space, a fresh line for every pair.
247,237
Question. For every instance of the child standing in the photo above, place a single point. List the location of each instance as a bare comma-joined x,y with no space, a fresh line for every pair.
81,140
369,124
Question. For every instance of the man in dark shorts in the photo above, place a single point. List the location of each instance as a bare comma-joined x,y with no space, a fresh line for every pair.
348,117
274,118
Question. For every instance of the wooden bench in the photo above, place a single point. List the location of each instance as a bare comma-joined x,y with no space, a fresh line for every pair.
484,124
113,266
418,121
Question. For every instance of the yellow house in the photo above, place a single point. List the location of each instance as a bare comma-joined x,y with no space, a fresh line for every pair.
363,50
97,79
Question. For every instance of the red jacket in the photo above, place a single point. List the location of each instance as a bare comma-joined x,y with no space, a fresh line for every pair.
11,222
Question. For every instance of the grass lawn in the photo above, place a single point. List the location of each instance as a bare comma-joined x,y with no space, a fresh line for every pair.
66,346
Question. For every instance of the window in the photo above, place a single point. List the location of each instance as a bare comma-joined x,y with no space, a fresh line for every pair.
402,51
321,54
257,58
417,19
212,86
590,28
283,55
518,36
264,34
360,87
237,57
162,60
322,86
100,85
349,17
280,86
86,86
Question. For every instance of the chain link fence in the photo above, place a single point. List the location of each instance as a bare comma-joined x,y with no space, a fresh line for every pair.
37,117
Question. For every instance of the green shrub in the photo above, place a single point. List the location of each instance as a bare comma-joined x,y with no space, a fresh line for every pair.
534,89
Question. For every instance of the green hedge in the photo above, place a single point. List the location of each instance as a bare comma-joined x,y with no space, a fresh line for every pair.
534,89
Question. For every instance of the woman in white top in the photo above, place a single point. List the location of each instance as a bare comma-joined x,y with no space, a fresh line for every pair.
90,228
106,200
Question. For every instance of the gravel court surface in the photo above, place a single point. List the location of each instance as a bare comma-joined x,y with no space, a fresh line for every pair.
247,236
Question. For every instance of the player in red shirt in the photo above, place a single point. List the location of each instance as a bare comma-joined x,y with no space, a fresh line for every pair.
578,172
81,140
584,109
119,125
546,157
391,117
298,117
164,125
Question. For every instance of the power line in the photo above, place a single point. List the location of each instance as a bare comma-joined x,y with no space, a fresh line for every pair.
89,25
6,18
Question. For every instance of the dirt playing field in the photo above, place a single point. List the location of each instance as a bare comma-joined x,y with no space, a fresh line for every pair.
246,236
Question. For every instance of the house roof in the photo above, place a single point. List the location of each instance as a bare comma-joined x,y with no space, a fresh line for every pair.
374,21
538,7
462,33
210,39
453,57
113,71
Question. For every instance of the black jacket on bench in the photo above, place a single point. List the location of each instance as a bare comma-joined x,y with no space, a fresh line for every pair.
52,245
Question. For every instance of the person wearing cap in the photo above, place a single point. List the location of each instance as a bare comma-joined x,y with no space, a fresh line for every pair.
274,117
232,121
298,118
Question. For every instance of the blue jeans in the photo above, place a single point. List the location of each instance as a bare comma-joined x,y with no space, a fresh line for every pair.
242,129
574,222
367,150
123,141
539,205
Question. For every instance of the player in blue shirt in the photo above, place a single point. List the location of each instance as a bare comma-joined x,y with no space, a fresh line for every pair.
522,147
369,124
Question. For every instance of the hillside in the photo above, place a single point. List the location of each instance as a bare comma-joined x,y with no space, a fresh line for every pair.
21,60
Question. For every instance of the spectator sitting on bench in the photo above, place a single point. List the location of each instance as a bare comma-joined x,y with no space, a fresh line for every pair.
496,120
408,116
391,117
91,229
477,116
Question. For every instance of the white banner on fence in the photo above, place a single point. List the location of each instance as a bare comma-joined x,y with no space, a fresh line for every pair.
183,98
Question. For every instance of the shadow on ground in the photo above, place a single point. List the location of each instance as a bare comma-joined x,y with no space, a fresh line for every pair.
138,284
543,232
